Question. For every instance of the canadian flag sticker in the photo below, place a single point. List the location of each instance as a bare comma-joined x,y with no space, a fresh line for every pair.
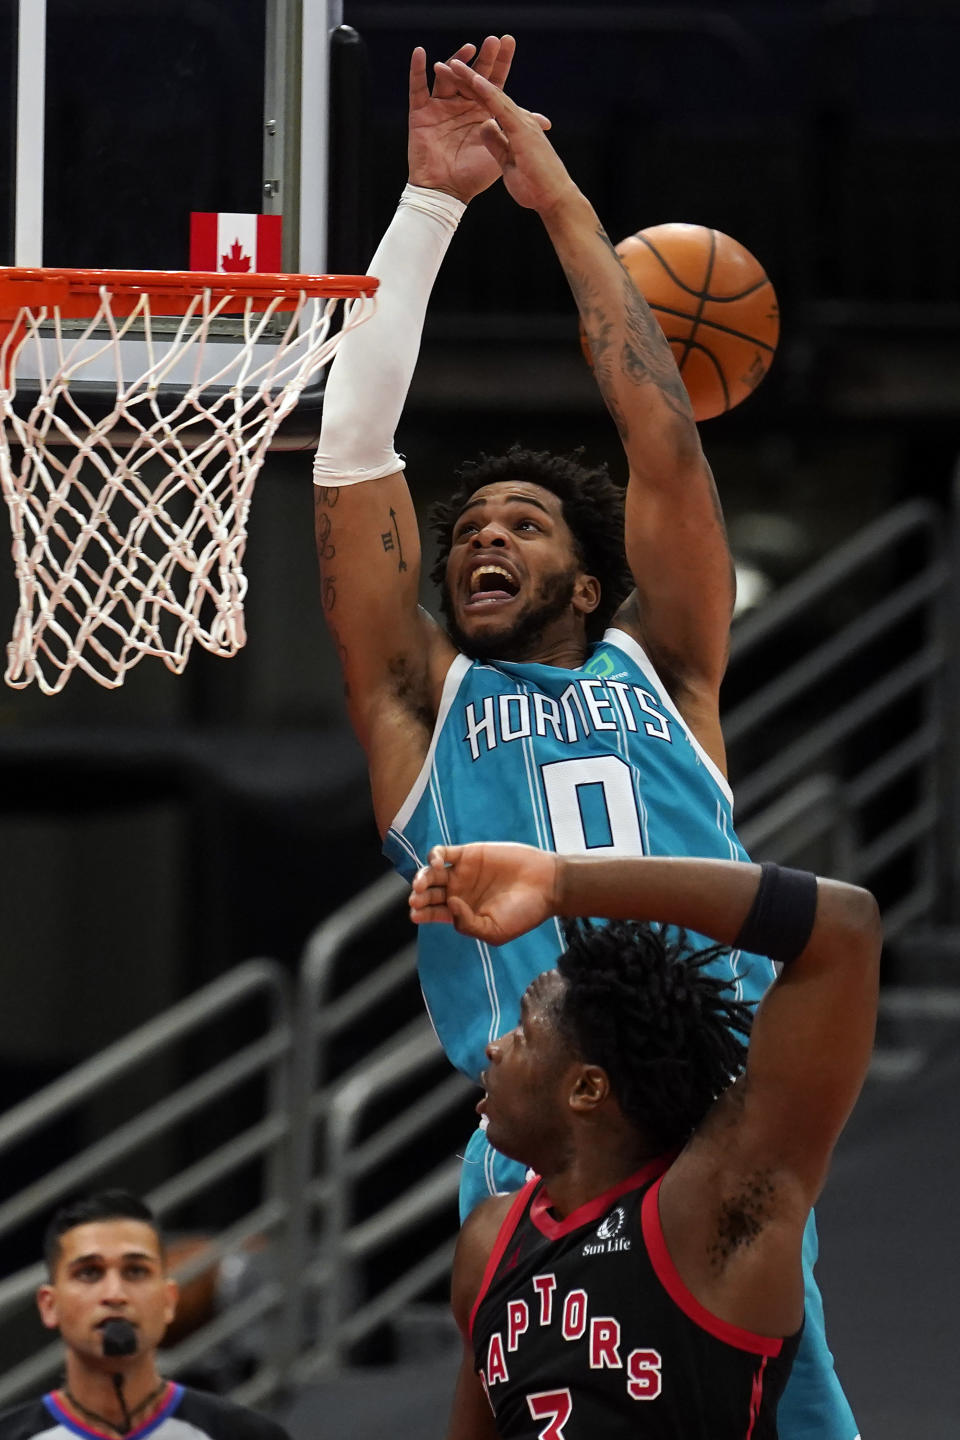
235,244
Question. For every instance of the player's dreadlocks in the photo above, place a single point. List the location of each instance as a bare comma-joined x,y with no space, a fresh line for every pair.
639,1003
592,507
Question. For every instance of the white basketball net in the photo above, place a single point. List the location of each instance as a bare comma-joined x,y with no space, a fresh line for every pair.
129,533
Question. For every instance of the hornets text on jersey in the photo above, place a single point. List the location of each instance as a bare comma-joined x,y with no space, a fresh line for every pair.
590,760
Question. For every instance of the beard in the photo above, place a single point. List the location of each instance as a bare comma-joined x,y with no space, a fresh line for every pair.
518,639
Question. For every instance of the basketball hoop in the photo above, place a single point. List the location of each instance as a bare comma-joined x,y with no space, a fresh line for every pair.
129,530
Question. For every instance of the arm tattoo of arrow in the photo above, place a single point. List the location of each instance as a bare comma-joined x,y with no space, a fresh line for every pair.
630,345
390,539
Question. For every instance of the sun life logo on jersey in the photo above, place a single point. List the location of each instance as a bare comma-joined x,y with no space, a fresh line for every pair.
613,1224
608,1237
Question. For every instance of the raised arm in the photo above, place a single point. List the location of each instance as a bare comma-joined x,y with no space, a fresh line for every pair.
675,538
813,1031
368,545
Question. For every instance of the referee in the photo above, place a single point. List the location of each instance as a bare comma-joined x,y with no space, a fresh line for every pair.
109,1295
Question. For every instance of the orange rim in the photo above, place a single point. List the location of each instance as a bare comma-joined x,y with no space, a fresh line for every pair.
76,293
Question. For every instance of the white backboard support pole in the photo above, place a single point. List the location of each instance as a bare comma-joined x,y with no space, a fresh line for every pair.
319,18
31,88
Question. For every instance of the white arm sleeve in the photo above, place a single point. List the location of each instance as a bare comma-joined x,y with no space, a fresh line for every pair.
371,373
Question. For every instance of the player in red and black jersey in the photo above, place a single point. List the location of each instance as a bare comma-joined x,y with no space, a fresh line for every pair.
648,1280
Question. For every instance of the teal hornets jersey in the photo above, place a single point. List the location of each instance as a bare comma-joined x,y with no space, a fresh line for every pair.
592,760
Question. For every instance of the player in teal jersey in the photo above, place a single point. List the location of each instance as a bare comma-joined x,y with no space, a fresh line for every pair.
572,697
595,759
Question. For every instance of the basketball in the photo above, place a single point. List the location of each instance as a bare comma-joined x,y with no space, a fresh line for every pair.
715,305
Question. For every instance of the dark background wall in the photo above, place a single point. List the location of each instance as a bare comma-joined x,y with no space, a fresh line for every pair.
152,837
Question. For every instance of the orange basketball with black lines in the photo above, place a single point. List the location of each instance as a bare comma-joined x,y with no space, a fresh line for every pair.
715,305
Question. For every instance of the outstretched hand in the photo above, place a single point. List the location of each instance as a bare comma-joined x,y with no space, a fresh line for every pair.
446,146
532,170
494,892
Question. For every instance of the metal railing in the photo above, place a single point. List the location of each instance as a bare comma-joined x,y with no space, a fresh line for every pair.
328,1246
347,1314
309,1305
265,1139
826,753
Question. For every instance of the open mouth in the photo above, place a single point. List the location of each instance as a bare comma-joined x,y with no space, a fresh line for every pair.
491,584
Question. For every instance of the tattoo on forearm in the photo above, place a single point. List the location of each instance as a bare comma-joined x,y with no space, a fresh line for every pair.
325,551
326,497
390,539
644,354
647,355
325,500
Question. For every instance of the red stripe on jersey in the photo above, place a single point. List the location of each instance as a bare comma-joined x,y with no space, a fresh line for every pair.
669,1278
502,1241
756,1397
554,1229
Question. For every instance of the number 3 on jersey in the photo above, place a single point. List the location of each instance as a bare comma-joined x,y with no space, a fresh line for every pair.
554,1406
592,805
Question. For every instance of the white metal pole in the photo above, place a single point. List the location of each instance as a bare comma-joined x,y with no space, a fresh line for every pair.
31,77
318,17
